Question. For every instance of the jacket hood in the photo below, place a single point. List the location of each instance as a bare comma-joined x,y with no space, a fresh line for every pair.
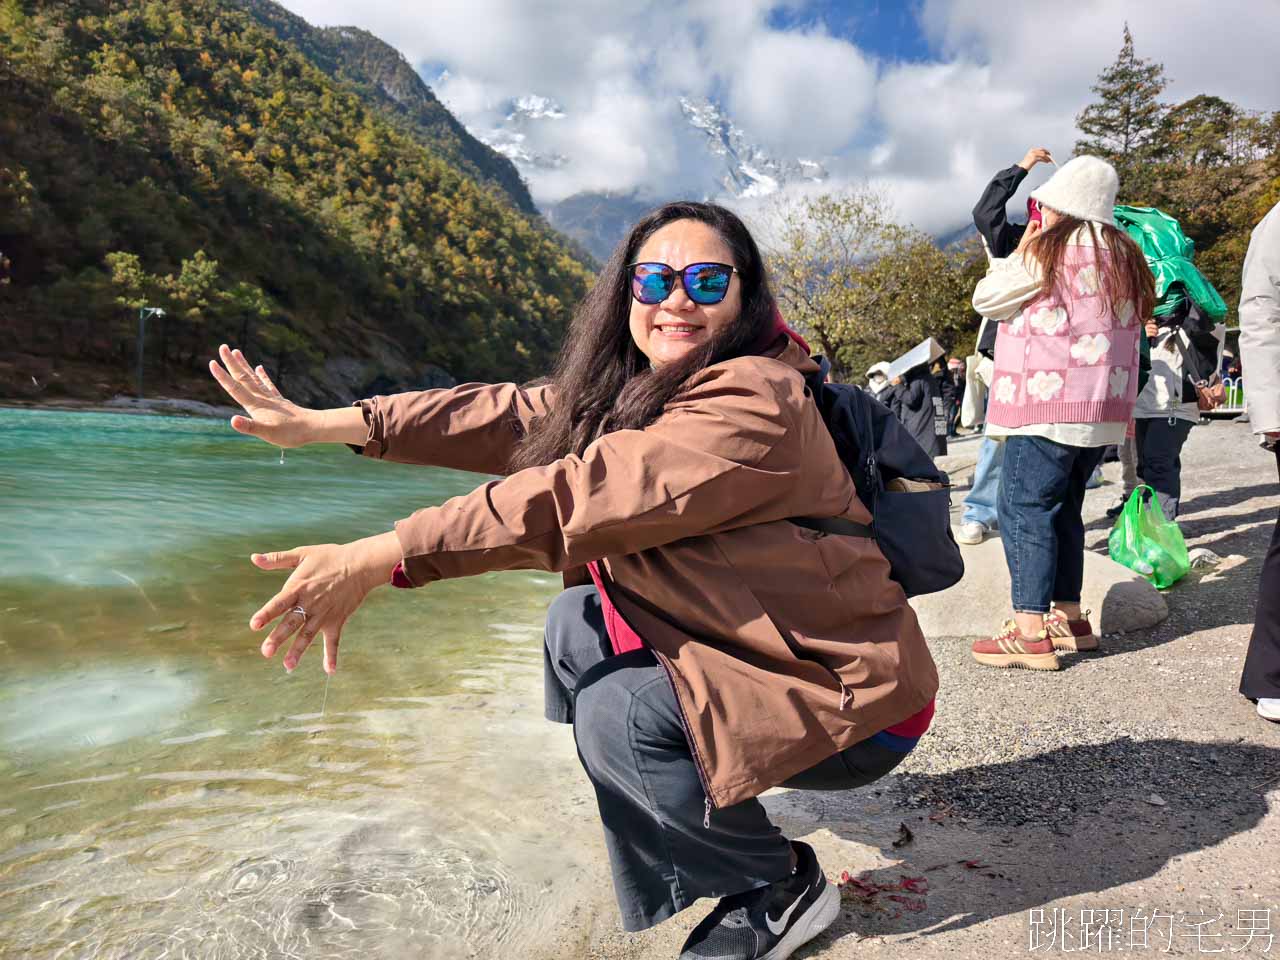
793,350
788,349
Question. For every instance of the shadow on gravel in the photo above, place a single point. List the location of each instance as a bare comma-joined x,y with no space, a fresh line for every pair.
1075,821
1188,510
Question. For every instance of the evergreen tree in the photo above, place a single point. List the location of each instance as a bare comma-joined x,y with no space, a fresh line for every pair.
1123,124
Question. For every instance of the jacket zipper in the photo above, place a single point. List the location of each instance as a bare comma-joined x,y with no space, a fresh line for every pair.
846,695
605,580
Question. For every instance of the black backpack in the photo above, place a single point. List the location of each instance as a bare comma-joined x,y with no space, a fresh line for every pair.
909,498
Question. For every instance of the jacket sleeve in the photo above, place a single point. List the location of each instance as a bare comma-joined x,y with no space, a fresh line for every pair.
892,398
1260,324
989,215
915,393
724,455
1010,282
475,426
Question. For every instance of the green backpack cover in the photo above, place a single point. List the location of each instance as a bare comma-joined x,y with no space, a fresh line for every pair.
1169,251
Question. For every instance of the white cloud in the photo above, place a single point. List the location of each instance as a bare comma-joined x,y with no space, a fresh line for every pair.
1001,77
802,93
1226,47
1011,76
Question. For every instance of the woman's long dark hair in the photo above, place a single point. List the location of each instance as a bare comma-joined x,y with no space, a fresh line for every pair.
602,382
1127,278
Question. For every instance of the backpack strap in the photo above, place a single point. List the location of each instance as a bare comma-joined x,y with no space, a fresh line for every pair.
836,525
839,525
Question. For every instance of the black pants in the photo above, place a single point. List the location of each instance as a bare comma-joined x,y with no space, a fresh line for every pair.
1159,443
1261,676
631,742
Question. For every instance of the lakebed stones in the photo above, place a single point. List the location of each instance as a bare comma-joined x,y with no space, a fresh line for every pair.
1120,599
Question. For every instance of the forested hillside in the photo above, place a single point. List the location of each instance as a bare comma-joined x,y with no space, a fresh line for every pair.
179,154
379,72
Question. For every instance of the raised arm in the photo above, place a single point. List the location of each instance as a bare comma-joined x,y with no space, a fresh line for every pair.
475,426
726,454
989,214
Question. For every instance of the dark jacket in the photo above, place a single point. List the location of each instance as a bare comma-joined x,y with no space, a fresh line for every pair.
784,645
917,402
1000,235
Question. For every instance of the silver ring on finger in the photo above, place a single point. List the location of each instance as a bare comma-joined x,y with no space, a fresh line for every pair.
300,612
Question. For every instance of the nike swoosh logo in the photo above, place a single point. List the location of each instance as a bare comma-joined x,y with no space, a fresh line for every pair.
777,928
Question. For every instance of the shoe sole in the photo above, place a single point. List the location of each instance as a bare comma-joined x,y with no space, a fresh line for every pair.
809,924
970,543
1076,644
1272,718
1026,661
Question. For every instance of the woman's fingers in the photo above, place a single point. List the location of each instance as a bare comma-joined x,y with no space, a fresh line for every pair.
300,643
247,426
331,637
238,366
277,606
280,560
235,389
267,383
289,625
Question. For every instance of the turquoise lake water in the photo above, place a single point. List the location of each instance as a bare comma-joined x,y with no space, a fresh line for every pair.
167,792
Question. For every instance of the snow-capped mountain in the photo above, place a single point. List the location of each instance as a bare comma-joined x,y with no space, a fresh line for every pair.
747,170
742,169
597,219
510,138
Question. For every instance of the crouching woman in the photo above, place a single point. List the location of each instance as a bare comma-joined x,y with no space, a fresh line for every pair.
712,649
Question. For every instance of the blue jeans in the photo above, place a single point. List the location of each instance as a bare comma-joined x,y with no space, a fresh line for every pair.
980,504
1042,486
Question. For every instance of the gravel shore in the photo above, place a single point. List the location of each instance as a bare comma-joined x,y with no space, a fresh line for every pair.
1136,779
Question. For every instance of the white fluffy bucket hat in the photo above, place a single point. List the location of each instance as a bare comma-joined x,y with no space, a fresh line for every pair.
1084,187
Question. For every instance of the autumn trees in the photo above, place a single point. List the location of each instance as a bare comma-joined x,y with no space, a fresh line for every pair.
178,151
864,287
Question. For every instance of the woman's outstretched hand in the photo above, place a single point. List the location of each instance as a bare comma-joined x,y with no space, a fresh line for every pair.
328,584
271,417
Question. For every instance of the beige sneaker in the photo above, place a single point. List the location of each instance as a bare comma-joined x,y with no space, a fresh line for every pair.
1072,635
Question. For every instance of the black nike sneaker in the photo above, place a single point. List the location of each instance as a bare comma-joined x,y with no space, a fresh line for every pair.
769,923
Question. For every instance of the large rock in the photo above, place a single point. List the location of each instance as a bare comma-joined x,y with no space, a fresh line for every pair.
1120,599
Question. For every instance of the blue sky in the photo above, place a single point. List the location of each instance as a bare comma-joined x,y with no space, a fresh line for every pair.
890,31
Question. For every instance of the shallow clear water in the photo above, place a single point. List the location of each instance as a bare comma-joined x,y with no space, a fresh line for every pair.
166,792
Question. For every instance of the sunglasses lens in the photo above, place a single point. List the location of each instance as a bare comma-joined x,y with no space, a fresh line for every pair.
707,283
652,282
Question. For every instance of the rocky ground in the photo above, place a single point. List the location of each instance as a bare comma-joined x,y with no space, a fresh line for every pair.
1136,780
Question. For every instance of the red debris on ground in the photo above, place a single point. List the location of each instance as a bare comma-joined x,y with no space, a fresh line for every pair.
867,892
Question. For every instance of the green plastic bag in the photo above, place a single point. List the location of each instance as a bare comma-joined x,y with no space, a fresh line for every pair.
1145,542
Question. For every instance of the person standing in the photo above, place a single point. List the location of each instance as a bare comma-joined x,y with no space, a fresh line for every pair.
955,373
916,400
878,380
1000,237
1260,356
1167,409
1071,300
